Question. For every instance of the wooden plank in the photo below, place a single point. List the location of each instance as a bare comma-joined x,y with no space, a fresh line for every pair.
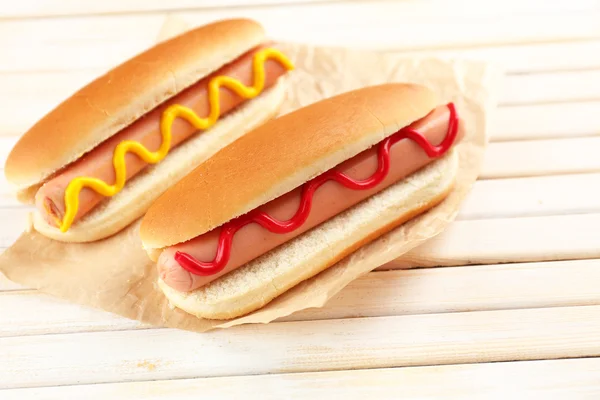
7,194
534,196
378,294
382,25
14,221
551,87
526,57
559,237
8,285
45,8
577,378
6,144
124,356
518,58
541,157
48,44
546,121
26,97
68,55
32,313
51,87
29,96
462,289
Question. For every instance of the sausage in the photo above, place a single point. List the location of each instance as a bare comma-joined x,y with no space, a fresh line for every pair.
251,241
98,163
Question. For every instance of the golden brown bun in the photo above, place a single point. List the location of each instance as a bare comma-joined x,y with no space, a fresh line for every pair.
256,283
121,96
139,193
279,156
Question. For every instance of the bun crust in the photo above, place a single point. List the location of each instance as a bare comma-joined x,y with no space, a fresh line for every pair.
130,204
121,96
280,156
255,284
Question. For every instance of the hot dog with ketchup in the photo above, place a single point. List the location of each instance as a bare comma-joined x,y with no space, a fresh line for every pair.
97,161
296,195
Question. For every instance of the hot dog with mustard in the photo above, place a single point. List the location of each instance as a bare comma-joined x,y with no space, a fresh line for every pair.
97,161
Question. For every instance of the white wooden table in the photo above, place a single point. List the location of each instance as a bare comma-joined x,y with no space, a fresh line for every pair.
516,312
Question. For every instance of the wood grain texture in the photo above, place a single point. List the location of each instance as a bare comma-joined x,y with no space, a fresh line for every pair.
7,194
31,313
385,293
526,57
551,87
546,121
583,54
27,97
541,157
46,8
532,196
14,221
575,379
557,237
150,354
101,41
30,8
8,285
6,144
536,200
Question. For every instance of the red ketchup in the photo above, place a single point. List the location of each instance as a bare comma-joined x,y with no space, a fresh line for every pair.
206,268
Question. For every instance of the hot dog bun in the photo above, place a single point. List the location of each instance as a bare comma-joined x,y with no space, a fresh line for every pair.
141,191
313,140
278,157
120,97
253,285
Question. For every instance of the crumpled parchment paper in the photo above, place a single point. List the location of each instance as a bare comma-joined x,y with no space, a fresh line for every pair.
116,275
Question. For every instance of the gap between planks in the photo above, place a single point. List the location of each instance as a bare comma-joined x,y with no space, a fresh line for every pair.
576,378
579,54
551,87
40,9
378,294
528,158
558,237
46,9
568,95
545,121
360,343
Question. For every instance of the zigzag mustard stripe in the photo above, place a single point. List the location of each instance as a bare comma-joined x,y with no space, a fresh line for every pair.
169,115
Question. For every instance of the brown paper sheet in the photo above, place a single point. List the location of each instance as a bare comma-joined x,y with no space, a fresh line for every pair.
116,275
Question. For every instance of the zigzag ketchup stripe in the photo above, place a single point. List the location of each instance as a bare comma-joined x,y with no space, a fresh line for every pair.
228,230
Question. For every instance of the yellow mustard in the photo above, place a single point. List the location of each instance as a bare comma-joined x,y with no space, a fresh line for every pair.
170,114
